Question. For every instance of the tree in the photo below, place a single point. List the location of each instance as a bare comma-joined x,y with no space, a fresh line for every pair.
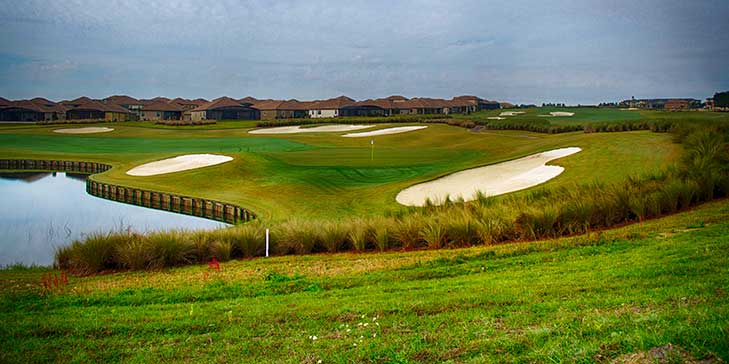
721,99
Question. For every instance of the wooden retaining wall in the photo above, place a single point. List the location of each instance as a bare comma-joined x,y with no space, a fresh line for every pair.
209,209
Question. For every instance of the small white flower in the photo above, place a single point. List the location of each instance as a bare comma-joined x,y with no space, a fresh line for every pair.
365,324
318,361
374,335
355,344
348,330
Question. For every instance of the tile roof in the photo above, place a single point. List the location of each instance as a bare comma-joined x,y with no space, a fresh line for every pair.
335,103
162,106
122,100
219,103
85,103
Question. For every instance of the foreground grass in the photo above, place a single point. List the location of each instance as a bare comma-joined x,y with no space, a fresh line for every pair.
582,299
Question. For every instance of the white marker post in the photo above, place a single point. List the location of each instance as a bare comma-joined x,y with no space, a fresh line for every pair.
267,242
372,155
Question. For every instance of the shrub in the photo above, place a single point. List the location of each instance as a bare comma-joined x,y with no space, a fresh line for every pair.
95,254
169,249
407,231
333,237
433,234
133,254
358,232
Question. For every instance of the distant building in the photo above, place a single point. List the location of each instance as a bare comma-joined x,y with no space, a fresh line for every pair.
224,108
279,109
84,108
161,111
329,108
37,109
658,104
710,103
676,104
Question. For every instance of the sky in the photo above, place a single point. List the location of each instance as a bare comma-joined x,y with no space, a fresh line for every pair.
563,51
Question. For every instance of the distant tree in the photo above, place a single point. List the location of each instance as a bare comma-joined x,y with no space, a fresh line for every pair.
721,99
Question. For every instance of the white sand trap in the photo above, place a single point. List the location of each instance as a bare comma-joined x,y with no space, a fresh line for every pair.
316,129
176,164
492,180
88,130
557,113
630,109
397,130
511,113
495,118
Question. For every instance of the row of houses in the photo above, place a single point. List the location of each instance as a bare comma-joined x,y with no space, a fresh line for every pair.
666,104
122,108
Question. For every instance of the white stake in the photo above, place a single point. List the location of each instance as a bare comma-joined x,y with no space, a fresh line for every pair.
267,242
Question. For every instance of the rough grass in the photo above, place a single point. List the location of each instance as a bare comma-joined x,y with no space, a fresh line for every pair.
589,298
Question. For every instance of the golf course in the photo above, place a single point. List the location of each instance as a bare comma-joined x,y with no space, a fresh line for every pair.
612,245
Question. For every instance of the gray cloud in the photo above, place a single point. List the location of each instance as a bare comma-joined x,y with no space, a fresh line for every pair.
523,51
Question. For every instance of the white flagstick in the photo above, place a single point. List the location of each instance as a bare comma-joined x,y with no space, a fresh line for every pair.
372,143
266,242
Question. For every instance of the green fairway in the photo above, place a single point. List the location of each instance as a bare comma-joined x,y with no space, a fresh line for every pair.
323,174
581,299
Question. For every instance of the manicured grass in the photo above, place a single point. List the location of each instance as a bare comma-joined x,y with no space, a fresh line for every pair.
582,299
323,174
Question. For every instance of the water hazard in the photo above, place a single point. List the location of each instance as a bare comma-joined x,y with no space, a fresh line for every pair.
42,211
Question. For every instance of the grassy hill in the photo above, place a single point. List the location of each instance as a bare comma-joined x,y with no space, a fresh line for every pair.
606,295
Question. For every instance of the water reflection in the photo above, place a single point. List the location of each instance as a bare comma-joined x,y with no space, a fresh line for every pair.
42,211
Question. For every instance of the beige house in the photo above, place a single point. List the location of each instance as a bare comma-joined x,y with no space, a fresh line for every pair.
161,111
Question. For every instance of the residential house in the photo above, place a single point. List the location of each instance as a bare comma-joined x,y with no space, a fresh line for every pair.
280,109
187,104
329,108
377,107
127,102
676,104
224,108
37,109
161,111
84,108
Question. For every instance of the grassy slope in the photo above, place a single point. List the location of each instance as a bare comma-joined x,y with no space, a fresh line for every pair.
324,175
570,300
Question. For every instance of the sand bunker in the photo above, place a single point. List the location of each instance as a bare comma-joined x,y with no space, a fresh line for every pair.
88,130
316,129
495,118
176,164
491,180
630,109
556,113
511,113
397,130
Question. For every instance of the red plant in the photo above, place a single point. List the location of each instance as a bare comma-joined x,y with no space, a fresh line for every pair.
54,282
214,264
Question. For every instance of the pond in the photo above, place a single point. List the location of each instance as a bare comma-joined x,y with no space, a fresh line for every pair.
43,211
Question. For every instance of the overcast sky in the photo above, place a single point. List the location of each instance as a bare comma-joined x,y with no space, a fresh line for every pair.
518,51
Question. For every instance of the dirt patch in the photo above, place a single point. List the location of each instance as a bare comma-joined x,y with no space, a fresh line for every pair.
667,354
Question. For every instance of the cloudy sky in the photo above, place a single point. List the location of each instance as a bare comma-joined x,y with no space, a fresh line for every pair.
520,51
